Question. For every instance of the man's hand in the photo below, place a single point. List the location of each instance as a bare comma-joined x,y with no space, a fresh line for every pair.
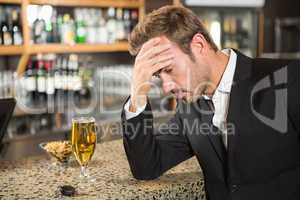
152,57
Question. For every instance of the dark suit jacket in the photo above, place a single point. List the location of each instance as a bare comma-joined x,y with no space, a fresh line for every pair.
262,160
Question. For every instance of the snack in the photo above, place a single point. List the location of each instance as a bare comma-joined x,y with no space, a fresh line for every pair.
59,149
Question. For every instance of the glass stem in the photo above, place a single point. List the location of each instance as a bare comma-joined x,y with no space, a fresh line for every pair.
83,173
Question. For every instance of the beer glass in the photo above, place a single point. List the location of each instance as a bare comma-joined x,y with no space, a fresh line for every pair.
84,139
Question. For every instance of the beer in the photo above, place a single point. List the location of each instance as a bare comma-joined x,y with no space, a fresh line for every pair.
83,139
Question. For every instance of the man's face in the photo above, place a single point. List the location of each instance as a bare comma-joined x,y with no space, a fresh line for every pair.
185,78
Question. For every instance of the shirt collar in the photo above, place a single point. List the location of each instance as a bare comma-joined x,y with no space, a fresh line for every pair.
227,78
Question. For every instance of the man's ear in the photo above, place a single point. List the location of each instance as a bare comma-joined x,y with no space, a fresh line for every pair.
198,43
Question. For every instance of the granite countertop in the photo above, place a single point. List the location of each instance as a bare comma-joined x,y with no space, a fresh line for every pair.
38,178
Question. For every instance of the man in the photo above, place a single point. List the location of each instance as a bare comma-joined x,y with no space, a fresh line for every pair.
239,116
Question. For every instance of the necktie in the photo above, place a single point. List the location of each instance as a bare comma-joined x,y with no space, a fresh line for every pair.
210,104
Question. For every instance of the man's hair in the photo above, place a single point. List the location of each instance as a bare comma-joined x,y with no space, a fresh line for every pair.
177,23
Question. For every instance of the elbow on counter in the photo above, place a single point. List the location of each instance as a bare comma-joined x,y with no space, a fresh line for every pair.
144,176
144,173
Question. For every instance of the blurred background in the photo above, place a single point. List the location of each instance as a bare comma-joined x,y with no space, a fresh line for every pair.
66,58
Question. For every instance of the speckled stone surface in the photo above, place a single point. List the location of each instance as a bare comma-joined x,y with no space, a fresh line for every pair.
38,178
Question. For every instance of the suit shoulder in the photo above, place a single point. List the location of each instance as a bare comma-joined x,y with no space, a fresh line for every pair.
268,64
265,66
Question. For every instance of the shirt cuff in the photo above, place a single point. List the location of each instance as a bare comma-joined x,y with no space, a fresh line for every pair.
128,114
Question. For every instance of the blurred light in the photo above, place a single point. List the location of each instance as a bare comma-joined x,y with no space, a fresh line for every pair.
215,31
46,13
32,13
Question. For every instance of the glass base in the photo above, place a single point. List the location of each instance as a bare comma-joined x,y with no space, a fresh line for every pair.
86,181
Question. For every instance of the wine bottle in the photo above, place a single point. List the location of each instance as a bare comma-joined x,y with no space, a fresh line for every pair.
120,27
41,80
68,33
39,29
50,89
30,83
80,27
16,28
1,21
111,25
127,24
134,19
6,31
102,34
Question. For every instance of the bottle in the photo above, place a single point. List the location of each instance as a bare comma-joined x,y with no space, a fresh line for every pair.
30,83
70,73
68,33
1,20
93,18
242,35
120,27
134,19
50,88
49,59
127,23
39,29
59,24
111,25
6,31
55,27
65,75
73,62
65,78
41,80
81,32
58,77
91,25
102,35
75,79
49,30
16,28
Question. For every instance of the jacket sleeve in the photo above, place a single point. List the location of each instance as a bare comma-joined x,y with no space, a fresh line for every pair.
152,152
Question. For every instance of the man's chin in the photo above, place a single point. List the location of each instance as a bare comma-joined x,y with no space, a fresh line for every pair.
187,99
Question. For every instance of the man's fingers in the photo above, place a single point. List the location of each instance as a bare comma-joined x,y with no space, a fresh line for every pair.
149,45
160,65
162,58
157,50
151,63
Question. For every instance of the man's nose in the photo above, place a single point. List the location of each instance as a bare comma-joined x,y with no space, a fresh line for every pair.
168,86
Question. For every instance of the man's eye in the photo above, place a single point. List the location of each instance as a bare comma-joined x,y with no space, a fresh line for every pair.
156,74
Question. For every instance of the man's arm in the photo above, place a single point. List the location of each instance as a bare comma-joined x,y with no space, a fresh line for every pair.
152,152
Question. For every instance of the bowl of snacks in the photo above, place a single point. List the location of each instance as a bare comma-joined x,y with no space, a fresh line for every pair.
60,150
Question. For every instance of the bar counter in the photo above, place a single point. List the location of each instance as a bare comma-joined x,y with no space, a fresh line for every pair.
38,178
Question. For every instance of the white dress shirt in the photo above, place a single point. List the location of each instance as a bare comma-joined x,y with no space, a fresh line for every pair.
220,97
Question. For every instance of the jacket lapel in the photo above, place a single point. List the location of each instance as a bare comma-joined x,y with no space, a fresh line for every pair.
204,135
214,135
238,98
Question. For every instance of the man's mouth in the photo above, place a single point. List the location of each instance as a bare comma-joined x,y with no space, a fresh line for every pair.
179,94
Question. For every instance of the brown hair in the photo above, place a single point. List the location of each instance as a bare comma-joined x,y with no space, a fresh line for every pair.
178,24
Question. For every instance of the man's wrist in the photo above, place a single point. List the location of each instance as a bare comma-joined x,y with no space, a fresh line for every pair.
137,102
